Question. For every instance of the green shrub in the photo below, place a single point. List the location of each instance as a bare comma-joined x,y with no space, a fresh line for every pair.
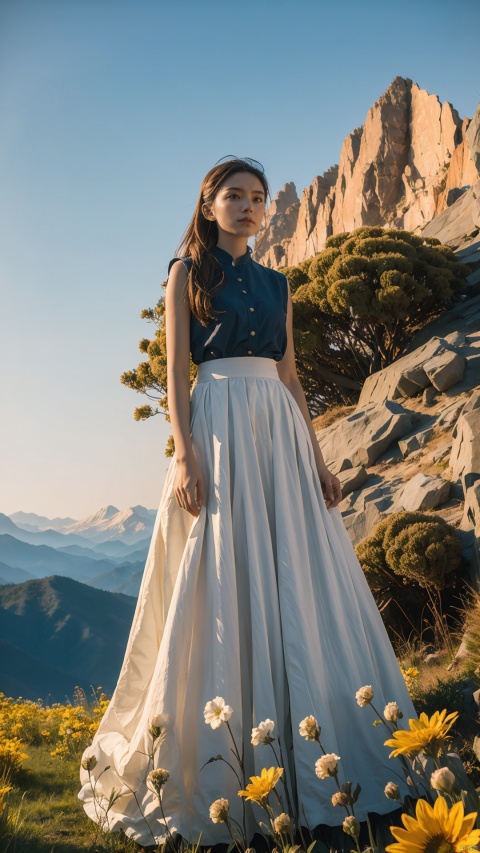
410,558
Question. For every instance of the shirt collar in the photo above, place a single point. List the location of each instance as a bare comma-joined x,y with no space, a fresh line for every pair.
226,258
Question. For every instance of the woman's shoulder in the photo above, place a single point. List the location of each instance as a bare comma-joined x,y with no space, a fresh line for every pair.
185,260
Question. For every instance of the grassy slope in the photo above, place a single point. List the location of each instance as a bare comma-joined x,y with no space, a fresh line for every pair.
51,815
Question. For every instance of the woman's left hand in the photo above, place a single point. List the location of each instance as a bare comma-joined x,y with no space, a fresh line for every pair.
331,487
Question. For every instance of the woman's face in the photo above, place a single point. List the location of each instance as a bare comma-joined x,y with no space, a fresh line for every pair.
239,205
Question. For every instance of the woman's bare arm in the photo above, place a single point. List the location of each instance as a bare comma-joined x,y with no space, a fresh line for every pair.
177,310
189,478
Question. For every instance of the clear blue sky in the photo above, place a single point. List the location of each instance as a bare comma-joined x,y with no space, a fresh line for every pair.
111,112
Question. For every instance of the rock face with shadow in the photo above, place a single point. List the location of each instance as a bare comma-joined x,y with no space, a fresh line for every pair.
413,440
414,164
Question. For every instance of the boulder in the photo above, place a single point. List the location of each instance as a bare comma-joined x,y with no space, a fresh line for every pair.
362,510
473,402
429,395
465,455
445,369
361,437
405,377
414,442
412,381
433,658
471,521
352,478
449,415
423,491
359,525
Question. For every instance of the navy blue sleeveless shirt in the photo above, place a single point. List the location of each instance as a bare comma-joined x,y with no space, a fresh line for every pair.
254,299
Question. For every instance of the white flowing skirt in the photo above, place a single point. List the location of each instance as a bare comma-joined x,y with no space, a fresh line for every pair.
261,600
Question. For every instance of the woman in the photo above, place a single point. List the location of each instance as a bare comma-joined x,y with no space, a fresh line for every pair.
253,607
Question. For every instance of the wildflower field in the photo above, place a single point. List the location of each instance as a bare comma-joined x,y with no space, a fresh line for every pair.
41,748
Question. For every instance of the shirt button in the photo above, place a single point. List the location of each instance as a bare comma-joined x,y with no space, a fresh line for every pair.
239,279
244,291
252,309
250,352
252,332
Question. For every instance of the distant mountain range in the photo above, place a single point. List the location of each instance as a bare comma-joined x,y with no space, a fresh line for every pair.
68,590
57,633
106,550
127,525
31,521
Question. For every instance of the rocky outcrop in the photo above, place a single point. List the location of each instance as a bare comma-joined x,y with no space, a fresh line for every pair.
458,225
406,376
445,369
360,438
423,491
412,161
409,445
283,215
415,441
465,455
440,362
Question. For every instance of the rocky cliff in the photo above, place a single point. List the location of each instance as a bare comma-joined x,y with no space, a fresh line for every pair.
412,442
412,162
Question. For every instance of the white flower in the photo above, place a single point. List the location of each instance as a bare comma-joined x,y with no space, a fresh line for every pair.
68,731
89,761
442,780
157,723
391,712
327,765
340,798
261,734
351,826
216,712
309,728
156,779
158,720
392,791
282,823
364,696
219,810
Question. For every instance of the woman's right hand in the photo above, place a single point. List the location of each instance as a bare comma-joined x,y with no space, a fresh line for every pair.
188,479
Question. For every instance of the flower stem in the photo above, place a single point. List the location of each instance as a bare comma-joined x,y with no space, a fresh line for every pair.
284,780
242,768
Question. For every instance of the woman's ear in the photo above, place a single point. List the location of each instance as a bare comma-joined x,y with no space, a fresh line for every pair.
206,212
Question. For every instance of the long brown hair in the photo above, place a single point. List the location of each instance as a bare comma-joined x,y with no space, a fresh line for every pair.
201,236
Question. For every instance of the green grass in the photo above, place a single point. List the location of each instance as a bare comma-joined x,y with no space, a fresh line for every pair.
52,819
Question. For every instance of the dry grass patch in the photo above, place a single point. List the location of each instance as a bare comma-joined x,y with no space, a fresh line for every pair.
335,413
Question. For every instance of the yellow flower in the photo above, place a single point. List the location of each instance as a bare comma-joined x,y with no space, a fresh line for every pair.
409,675
3,791
435,829
412,672
425,734
261,786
